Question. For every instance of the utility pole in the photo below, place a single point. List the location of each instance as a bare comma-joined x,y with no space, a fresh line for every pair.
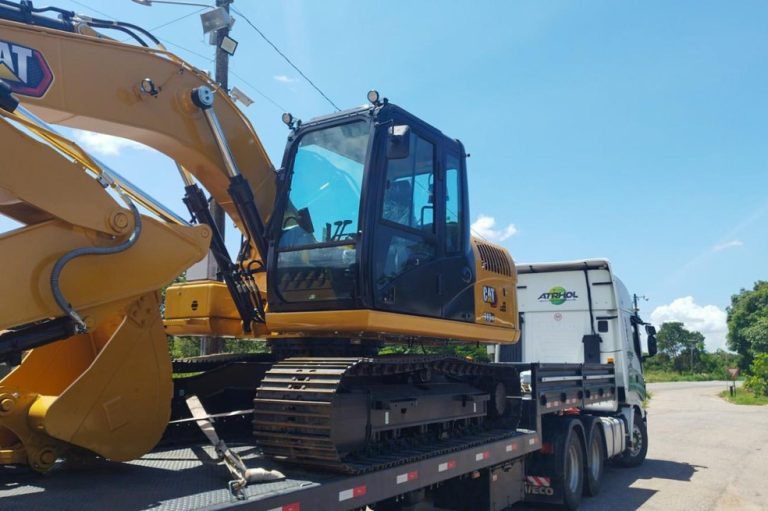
210,345
635,298
222,77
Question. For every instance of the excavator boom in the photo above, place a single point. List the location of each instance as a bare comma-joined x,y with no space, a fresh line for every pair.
85,268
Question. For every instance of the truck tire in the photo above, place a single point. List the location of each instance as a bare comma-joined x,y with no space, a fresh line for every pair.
595,465
573,470
635,455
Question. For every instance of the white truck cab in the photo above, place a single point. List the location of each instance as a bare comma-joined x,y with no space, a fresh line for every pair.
579,312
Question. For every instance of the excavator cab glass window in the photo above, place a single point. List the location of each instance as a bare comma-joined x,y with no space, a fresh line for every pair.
453,209
317,245
409,194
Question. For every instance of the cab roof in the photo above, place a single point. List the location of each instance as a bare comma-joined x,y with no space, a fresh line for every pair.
581,264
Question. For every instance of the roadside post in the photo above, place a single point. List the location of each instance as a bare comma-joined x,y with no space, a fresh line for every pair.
733,372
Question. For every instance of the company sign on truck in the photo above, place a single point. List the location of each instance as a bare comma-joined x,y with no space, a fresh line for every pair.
558,295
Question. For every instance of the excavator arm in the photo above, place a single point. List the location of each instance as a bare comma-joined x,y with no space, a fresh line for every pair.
83,273
145,95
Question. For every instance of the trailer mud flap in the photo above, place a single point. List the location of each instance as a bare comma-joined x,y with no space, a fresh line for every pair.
543,489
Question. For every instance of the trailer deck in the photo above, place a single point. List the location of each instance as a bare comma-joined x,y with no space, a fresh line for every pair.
189,479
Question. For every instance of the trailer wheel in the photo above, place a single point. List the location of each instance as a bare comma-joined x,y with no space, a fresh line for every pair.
573,471
635,455
595,465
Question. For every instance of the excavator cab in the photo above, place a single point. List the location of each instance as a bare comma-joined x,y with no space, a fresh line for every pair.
374,216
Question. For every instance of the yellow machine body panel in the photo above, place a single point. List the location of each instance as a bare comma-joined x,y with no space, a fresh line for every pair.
106,390
495,288
204,307
373,324
93,284
97,86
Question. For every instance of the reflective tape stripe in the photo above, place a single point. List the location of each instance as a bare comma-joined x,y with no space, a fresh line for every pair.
482,456
538,481
357,491
448,465
296,506
408,476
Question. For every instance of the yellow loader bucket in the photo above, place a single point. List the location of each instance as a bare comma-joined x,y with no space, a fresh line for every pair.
107,391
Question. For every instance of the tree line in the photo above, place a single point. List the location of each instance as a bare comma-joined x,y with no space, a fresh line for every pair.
682,350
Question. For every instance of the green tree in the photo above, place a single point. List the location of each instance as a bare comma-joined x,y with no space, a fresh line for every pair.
717,363
757,383
472,351
748,323
681,348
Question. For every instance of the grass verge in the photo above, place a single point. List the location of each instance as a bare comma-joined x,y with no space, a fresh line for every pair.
744,397
667,376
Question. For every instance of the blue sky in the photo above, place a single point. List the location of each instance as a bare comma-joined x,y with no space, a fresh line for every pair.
633,131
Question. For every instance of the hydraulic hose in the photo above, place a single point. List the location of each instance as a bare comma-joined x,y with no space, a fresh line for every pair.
58,295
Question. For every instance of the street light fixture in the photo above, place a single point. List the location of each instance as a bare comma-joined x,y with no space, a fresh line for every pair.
228,45
215,19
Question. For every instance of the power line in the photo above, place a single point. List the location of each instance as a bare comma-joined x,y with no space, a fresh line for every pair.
257,91
285,57
171,22
239,77
93,9
200,55
204,57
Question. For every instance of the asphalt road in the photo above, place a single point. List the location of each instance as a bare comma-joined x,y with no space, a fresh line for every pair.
704,454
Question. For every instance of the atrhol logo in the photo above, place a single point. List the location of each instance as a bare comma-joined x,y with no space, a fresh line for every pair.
558,296
24,69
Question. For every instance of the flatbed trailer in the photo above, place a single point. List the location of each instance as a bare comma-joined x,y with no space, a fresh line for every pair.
490,470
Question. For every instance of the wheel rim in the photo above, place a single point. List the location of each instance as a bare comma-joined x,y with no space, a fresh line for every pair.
572,468
637,441
596,455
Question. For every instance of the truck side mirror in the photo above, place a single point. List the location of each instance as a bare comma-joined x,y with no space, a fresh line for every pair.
650,330
399,142
652,347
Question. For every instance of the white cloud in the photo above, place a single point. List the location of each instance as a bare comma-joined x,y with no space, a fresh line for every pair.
710,320
106,145
728,244
285,79
485,227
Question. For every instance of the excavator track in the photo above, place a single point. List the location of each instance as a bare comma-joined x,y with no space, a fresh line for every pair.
292,410
322,412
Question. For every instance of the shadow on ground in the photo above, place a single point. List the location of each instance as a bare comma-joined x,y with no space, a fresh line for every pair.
617,490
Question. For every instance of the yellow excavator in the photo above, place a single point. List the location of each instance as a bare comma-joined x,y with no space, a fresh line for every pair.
360,238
